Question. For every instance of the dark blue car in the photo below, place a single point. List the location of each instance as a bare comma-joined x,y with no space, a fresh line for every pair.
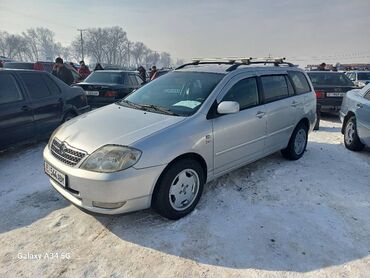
34,103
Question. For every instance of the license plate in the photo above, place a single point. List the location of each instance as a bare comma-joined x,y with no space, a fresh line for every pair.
55,174
92,93
335,94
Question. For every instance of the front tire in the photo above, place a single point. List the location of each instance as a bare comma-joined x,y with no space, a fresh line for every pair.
179,189
297,143
351,139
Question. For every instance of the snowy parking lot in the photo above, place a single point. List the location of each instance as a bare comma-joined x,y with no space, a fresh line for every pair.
273,217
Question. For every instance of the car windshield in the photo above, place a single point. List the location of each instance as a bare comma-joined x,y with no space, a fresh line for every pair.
105,77
180,93
330,79
364,76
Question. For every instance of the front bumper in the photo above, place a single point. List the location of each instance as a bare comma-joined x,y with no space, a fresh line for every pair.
131,187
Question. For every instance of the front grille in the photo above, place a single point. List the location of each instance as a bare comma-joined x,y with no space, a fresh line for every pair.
65,153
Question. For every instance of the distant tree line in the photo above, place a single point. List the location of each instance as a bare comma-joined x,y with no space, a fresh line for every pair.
109,45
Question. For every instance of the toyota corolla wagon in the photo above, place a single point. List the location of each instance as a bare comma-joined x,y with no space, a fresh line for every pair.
160,145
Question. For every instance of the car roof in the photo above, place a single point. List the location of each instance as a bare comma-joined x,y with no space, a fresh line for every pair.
325,72
112,71
24,70
223,68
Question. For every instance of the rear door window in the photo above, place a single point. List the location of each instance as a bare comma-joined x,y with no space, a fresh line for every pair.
300,82
54,89
36,85
9,90
275,87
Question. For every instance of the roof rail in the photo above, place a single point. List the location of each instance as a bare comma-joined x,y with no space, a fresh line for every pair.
235,62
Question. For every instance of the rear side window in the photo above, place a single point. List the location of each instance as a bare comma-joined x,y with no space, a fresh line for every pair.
36,86
138,79
133,80
275,87
245,92
51,85
300,82
9,91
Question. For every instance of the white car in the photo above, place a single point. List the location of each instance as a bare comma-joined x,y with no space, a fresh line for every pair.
359,78
161,144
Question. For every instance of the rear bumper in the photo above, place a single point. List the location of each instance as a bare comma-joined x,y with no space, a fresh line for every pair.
329,104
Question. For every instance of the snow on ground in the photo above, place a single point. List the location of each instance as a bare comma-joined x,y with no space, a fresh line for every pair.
272,218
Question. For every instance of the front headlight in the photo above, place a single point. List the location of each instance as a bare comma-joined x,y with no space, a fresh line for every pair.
111,158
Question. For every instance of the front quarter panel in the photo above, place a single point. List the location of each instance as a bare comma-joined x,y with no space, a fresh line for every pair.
194,135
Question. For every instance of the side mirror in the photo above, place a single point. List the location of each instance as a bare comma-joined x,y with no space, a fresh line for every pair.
228,107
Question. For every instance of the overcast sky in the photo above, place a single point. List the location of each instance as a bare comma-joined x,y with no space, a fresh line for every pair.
303,31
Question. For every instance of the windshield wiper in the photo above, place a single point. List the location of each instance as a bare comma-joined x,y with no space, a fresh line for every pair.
160,109
131,104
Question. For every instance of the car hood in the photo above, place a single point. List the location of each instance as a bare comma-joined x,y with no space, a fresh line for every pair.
112,124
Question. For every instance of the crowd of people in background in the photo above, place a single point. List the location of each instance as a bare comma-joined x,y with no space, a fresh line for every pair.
64,73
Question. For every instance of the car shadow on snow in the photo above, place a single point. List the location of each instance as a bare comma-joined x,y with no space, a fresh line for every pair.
271,215
25,193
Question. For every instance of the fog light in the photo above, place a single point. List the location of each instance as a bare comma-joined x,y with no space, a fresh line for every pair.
108,205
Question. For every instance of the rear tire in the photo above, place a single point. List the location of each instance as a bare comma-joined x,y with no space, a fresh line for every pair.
318,116
179,189
297,143
351,139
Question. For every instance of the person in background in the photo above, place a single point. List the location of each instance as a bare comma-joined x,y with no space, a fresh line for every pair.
98,67
60,71
153,73
84,70
72,65
142,73
322,67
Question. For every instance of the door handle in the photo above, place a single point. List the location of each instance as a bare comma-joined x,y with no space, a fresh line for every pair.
260,114
359,105
25,108
294,104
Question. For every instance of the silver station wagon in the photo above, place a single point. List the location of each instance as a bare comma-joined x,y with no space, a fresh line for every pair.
161,144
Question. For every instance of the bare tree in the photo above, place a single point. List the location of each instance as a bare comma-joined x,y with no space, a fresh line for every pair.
108,45
12,46
138,51
165,59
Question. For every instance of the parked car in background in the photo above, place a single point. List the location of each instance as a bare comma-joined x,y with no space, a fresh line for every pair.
103,87
42,66
160,73
355,116
330,88
34,103
359,78
162,143
3,60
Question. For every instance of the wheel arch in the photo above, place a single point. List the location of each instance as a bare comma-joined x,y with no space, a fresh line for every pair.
346,118
305,121
191,155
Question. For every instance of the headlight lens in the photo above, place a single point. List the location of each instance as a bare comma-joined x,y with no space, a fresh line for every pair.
111,158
